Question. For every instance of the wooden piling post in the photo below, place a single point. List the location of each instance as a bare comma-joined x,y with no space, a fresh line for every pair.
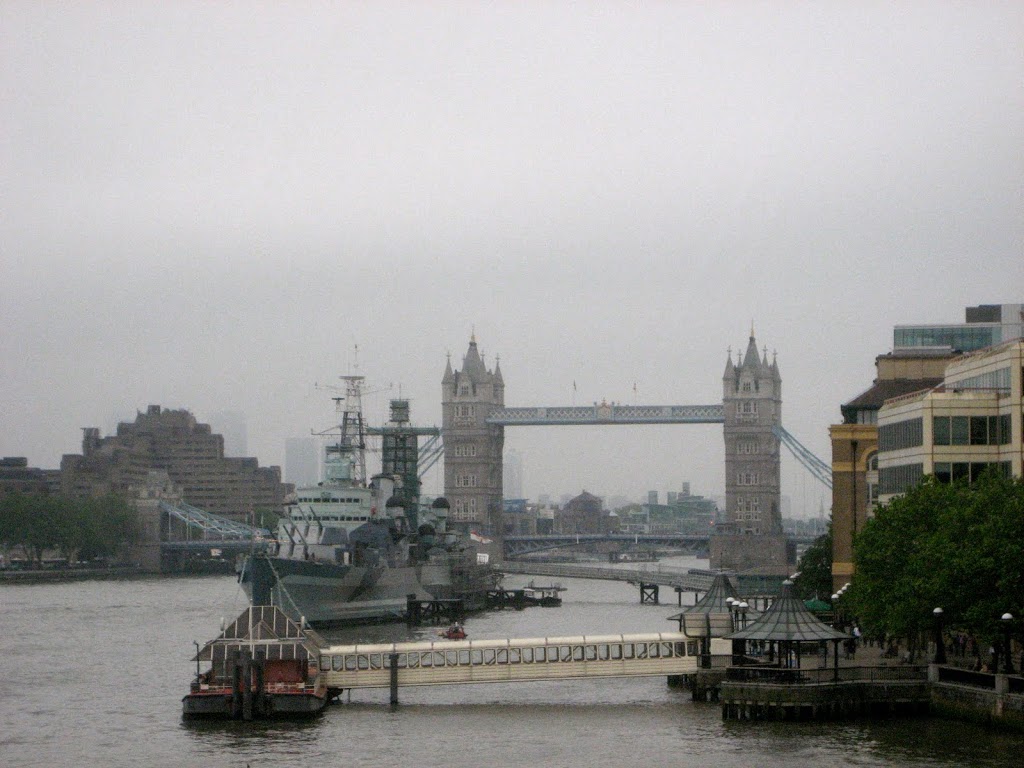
236,685
412,610
246,686
393,658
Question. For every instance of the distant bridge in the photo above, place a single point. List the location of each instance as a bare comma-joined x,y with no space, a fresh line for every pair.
694,543
680,579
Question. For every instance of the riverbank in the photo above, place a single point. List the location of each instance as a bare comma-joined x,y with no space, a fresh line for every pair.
45,575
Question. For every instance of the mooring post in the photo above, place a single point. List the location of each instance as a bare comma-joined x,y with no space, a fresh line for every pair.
246,686
412,609
236,684
393,658
259,683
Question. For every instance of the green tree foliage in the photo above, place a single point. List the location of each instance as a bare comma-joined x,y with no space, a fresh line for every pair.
815,579
77,528
959,547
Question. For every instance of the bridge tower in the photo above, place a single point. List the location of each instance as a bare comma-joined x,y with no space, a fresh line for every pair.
751,538
472,447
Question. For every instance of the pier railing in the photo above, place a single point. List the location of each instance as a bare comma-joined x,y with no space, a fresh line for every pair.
782,676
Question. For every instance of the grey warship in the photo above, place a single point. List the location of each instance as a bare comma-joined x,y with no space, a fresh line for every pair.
350,551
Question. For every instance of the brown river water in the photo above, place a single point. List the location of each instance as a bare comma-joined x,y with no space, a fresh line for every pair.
92,674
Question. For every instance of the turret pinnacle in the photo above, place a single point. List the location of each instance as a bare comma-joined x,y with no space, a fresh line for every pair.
449,375
730,369
751,359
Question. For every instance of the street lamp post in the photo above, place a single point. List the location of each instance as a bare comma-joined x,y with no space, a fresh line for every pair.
1005,621
940,647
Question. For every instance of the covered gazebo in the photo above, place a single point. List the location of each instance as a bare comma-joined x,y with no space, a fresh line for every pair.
787,624
714,615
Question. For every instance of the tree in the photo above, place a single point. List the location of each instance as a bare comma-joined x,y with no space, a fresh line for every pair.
958,547
76,527
815,579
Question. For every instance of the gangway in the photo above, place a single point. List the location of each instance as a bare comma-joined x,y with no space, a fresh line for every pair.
209,529
448,662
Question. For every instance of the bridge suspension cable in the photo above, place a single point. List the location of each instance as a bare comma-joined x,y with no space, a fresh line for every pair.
821,471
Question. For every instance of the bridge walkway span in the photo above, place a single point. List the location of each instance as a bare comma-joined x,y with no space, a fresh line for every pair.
448,662
686,580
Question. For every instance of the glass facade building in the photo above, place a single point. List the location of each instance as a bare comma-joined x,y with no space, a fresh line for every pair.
986,325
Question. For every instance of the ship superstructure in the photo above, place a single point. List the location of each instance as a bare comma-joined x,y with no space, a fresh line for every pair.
351,550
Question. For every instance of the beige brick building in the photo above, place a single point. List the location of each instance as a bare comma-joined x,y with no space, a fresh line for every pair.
190,453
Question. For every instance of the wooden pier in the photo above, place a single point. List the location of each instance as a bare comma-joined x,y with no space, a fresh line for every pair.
772,693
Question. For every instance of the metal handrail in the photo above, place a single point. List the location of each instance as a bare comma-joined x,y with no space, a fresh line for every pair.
793,676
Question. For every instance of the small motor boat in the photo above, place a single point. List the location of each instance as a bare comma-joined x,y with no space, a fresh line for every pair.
454,632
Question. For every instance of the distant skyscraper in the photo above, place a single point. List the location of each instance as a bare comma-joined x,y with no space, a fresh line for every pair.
231,424
513,475
302,461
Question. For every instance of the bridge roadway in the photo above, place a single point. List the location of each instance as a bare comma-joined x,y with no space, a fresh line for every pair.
684,580
684,542
447,662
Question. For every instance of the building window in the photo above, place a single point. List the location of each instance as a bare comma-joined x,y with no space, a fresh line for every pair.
902,434
971,430
746,408
464,389
462,451
747,446
465,411
994,380
465,481
746,478
746,386
900,479
957,471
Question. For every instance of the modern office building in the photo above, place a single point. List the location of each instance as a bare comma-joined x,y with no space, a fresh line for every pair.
302,460
911,381
986,325
192,456
232,425
512,475
966,425
855,445
16,476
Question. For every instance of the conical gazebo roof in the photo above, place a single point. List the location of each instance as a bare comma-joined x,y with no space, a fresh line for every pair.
711,615
714,600
788,619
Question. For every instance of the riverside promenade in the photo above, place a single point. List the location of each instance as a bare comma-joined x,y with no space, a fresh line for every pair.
872,684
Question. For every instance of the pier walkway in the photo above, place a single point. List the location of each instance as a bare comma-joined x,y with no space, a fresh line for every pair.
448,662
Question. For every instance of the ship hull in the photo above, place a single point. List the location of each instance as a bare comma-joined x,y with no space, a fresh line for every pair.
328,594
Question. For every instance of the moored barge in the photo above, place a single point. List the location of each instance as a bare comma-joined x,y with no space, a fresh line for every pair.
263,665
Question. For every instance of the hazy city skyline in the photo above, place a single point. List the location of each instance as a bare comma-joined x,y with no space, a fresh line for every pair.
208,207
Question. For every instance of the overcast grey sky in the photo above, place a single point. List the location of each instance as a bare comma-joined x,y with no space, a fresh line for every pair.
207,205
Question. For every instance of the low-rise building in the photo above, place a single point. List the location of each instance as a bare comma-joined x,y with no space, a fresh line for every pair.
968,424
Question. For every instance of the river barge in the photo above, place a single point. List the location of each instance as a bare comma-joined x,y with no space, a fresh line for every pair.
263,665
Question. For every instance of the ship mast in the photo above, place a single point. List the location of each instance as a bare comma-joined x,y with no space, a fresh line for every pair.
353,435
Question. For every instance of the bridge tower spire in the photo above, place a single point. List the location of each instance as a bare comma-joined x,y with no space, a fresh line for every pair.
472,447
751,538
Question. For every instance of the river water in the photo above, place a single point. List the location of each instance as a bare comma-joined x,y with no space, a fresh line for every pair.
92,674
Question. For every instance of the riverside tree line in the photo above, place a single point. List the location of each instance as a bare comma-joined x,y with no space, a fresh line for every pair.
80,529
958,547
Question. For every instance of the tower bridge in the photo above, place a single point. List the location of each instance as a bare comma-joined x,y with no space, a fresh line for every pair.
751,539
